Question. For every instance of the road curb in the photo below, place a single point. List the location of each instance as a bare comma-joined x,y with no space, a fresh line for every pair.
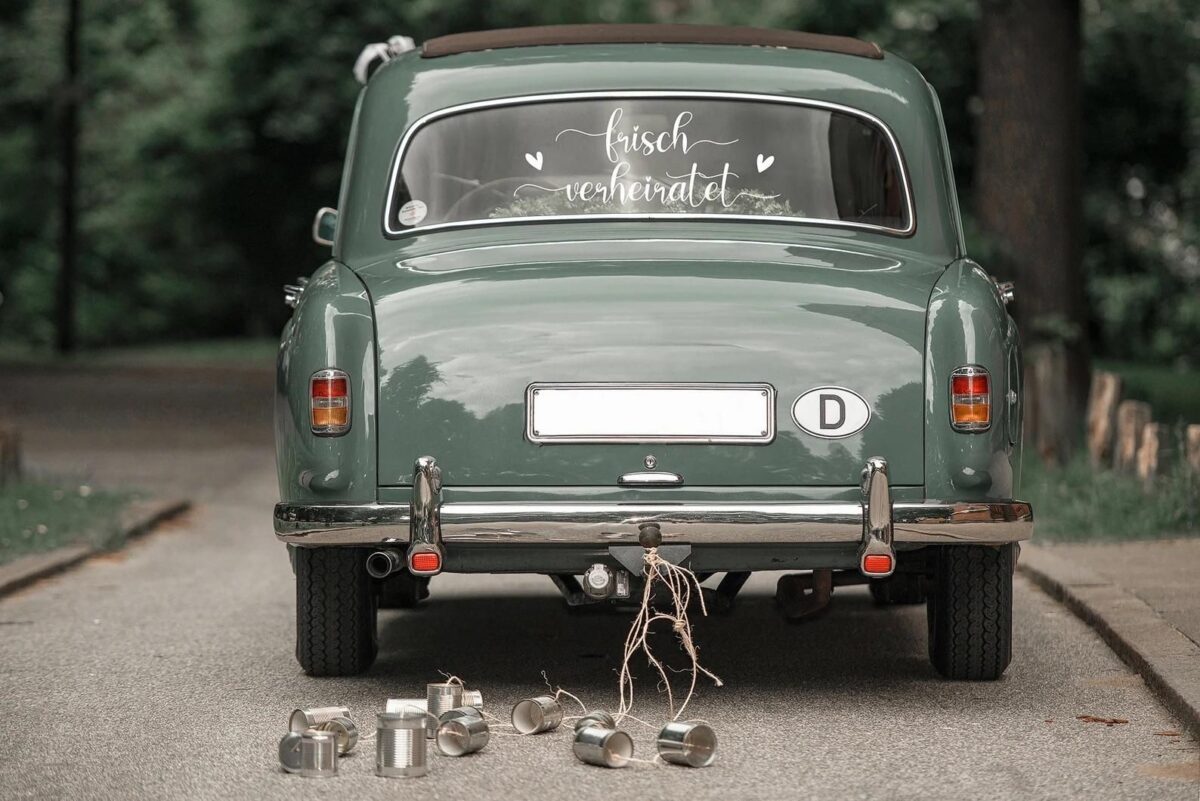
1168,661
140,519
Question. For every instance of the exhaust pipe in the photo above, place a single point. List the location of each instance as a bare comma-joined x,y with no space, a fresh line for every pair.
382,564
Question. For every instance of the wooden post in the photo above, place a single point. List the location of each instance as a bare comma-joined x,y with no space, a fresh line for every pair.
1132,417
1150,453
1102,417
10,455
1191,445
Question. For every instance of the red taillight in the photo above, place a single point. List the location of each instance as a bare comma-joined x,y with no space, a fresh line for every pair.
329,397
970,399
425,562
877,564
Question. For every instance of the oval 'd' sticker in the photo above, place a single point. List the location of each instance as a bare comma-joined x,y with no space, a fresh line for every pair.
831,412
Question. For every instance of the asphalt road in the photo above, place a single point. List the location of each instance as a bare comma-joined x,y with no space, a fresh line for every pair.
166,671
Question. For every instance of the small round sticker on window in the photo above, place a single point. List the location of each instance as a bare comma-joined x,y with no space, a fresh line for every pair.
412,212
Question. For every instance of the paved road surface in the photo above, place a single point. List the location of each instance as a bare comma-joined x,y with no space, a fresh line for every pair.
166,671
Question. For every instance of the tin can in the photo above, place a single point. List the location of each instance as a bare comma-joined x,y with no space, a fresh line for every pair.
472,698
302,719
289,752
318,754
440,697
461,734
396,704
688,743
344,730
536,715
460,712
400,744
598,718
608,748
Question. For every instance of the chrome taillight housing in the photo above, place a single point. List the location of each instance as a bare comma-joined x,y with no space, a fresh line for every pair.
329,397
970,399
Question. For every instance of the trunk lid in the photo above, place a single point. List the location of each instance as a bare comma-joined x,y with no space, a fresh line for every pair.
464,333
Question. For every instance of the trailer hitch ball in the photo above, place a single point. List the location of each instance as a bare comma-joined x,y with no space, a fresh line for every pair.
649,535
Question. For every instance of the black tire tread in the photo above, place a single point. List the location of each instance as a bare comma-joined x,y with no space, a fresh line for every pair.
335,612
970,612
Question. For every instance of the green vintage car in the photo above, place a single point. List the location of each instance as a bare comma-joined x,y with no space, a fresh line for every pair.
596,289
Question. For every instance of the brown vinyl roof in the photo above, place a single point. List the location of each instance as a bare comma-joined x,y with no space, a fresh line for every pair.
644,34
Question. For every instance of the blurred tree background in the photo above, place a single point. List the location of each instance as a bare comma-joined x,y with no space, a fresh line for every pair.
211,130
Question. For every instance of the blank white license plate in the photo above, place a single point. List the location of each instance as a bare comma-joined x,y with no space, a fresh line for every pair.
709,413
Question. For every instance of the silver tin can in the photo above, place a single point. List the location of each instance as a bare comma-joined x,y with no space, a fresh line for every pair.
396,704
400,744
318,754
598,718
302,719
344,730
461,734
472,698
440,697
460,712
688,743
289,752
536,715
608,748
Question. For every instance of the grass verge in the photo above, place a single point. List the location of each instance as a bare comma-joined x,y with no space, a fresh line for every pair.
1076,503
38,516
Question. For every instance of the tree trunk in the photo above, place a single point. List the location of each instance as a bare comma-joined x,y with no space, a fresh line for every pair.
69,164
1028,186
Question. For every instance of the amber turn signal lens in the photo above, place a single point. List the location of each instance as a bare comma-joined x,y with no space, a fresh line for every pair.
877,564
970,399
426,562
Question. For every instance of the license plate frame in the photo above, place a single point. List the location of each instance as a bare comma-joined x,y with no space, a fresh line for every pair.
713,413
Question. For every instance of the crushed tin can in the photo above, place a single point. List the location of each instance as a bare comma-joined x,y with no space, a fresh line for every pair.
608,748
598,718
302,719
400,745
318,754
344,730
690,743
536,715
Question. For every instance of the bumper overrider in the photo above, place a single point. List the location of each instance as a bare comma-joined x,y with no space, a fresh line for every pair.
873,526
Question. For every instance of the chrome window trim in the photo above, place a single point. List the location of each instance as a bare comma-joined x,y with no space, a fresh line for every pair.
766,438
424,120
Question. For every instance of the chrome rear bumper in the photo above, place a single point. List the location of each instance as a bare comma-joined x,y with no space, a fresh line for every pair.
620,523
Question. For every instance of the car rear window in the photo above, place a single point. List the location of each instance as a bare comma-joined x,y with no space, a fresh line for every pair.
648,157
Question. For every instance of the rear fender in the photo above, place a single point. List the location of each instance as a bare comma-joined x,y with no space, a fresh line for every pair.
333,327
968,324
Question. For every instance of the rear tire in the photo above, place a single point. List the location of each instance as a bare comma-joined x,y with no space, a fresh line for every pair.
970,612
901,588
335,611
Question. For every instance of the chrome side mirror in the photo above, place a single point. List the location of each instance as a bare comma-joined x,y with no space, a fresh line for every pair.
324,226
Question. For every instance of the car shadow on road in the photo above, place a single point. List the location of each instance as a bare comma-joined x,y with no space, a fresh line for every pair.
508,640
